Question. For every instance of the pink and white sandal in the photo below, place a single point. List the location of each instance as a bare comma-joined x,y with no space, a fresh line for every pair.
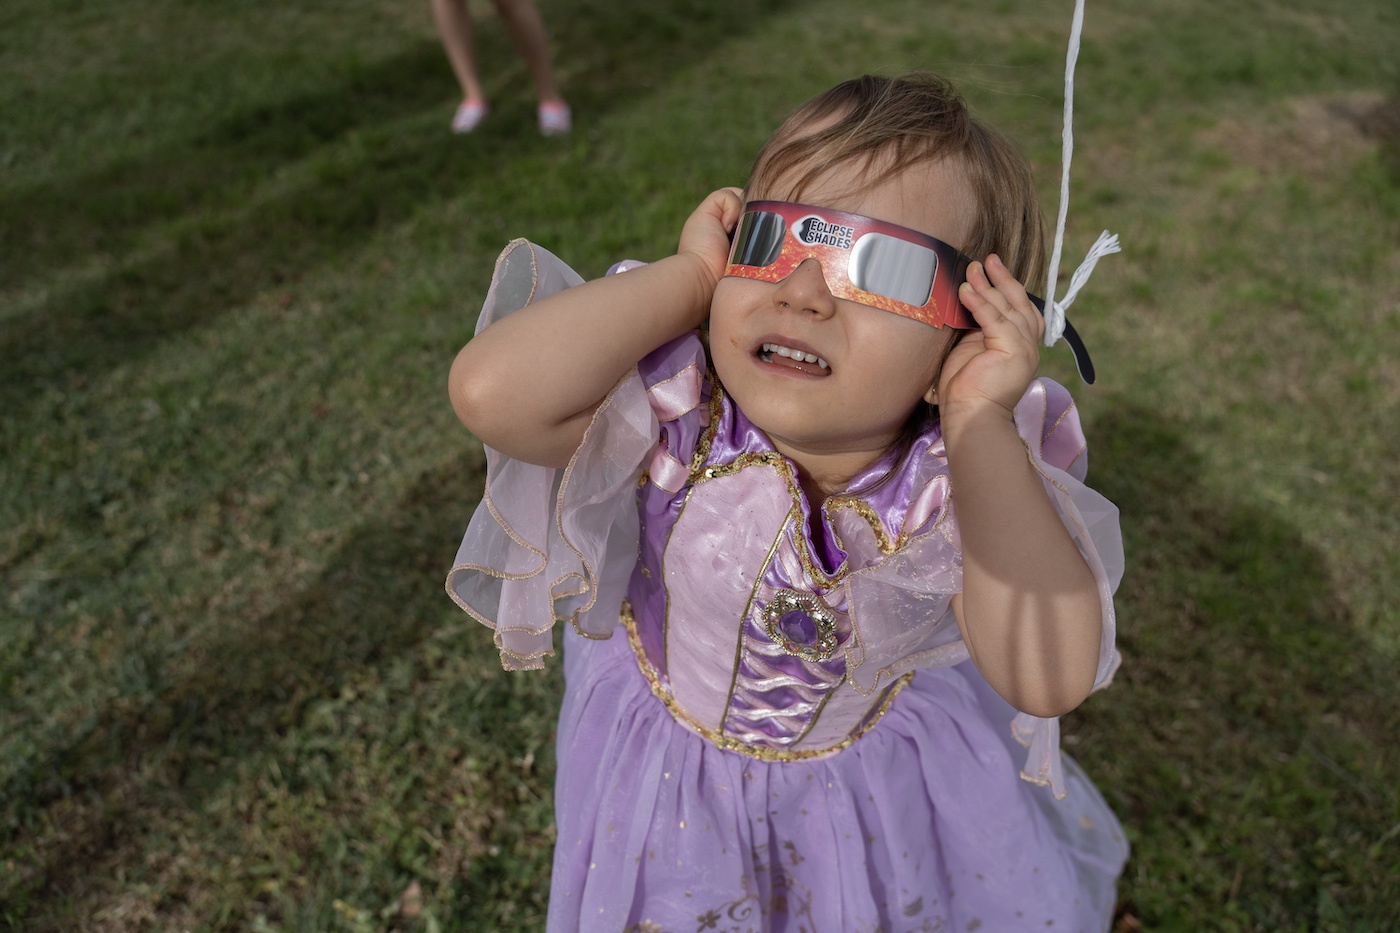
555,118
469,115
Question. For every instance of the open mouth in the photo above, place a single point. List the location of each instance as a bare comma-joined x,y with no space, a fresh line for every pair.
799,360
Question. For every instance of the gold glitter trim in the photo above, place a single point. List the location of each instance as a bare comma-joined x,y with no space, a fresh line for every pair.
749,458
865,511
700,472
1045,435
729,743
784,468
707,437
532,661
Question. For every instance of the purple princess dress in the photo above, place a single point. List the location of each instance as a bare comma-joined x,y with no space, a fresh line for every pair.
781,733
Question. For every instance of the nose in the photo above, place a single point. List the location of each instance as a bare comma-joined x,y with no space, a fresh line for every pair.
805,290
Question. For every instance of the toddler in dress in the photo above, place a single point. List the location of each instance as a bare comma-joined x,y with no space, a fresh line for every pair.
821,540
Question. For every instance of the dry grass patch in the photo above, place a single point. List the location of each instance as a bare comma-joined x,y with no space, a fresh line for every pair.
1312,135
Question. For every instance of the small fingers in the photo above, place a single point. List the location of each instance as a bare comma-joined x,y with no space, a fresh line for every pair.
966,349
731,204
726,205
994,296
709,229
1008,285
989,306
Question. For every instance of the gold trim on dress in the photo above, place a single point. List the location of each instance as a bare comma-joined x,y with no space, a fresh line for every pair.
729,743
707,437
785,470
786,601
743,618
700,472
865,511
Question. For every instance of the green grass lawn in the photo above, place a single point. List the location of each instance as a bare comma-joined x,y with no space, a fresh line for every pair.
239,249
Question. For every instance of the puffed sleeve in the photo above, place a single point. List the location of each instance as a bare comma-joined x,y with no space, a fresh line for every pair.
899,609
1049,426
548,545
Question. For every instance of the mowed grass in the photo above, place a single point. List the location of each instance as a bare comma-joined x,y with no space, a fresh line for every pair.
238,250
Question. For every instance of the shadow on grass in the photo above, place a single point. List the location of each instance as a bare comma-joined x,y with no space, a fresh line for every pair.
243,686
1382,124
1248,742
223,230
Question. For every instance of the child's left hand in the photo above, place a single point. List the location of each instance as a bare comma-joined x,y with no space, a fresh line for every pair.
1029,610
991,368
706,234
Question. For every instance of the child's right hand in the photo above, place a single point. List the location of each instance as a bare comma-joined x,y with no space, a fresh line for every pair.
528,384
706,235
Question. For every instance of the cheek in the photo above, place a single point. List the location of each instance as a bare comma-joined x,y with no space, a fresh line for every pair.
727,313
913,349
931,355
722,314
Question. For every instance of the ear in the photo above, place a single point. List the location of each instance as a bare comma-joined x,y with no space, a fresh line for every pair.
931,396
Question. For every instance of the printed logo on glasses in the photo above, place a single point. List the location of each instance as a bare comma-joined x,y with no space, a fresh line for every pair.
814,231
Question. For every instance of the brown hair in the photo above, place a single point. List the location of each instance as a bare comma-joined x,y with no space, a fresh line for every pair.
893,124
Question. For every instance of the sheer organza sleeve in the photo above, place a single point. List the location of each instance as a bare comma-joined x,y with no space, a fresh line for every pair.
546,544
900,611
1049,426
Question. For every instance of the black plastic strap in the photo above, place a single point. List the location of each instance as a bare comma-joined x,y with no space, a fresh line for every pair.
1076,346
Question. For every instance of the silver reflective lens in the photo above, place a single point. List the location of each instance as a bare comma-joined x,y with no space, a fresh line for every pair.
893,268
760,239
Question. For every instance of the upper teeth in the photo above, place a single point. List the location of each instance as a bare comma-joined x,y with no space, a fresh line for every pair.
794,354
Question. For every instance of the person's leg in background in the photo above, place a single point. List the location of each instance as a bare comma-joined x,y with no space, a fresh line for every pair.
454,25
527,30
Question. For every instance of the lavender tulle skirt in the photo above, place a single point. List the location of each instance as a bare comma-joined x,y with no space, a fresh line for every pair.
922,824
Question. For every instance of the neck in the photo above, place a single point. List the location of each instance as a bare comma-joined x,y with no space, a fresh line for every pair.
825,474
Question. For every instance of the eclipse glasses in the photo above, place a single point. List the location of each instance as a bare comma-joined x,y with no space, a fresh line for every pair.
879,264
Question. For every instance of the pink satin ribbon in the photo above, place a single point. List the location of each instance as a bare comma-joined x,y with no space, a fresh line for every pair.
666,471
669,400
677,395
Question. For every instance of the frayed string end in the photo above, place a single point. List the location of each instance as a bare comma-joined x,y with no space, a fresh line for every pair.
1105,245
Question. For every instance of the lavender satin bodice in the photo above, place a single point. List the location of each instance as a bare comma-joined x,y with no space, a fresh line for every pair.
755,633
741,617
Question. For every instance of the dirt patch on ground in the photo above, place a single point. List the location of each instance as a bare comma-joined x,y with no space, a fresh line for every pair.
1315,134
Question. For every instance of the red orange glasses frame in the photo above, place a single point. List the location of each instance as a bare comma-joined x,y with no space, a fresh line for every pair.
869,261
875,263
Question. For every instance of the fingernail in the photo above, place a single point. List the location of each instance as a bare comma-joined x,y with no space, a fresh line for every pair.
994,259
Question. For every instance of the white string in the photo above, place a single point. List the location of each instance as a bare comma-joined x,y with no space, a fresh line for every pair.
1105,244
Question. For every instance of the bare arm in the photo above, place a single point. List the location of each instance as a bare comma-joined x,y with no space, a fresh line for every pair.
1029,611
528,385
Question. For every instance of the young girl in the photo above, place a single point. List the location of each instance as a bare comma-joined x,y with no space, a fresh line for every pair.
846,536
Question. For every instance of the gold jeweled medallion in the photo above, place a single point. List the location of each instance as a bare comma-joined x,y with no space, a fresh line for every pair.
784,603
